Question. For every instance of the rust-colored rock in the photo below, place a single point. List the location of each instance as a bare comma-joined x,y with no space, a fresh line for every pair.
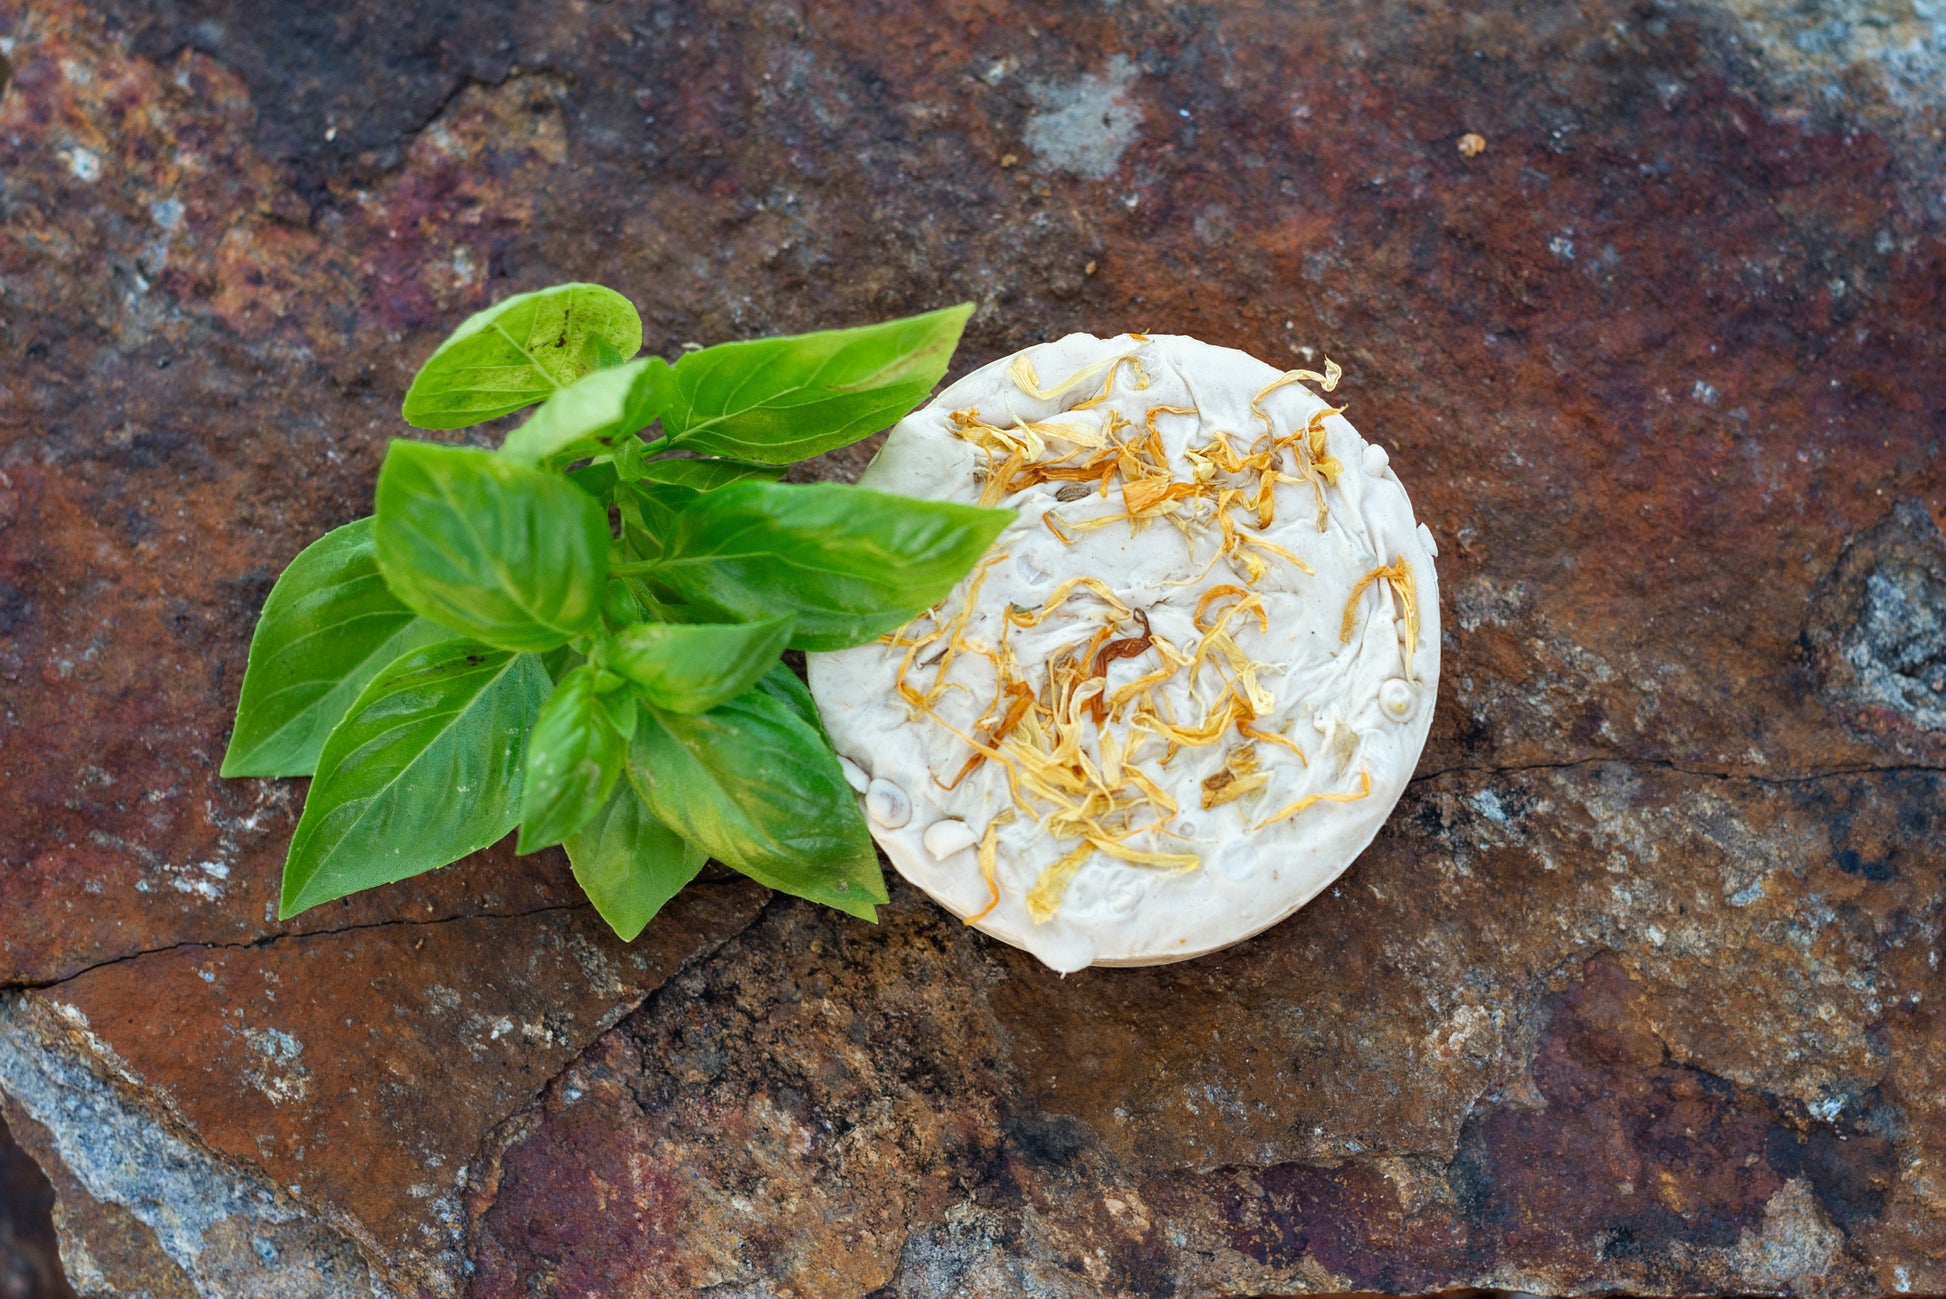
1636,992
291,1057
29,1263
1506,1052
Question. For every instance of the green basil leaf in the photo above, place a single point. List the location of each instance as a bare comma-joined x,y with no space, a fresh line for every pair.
628,457
506,554
651,500
574,758
757,788
597,480
329,625
619,705
630,864
518,352
649,513
591,416
785,686
602,354
779,400
619,604
707,475
660,604
693,668
423,770
849,562
562,660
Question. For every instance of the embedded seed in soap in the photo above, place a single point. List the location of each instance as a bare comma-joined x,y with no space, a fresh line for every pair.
944,838
887,805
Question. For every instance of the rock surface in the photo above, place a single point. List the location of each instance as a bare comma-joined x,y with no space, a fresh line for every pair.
29,1262
1638,992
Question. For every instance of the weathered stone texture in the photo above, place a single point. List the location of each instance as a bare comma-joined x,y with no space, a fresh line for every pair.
29,1266
1493,1054
1638,990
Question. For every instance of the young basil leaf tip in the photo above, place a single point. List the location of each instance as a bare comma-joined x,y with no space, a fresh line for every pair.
574,757
519,351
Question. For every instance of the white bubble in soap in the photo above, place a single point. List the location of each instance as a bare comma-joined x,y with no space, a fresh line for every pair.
1398,699
1237,865
1376,460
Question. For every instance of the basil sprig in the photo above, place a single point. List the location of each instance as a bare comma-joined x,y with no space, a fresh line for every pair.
578,636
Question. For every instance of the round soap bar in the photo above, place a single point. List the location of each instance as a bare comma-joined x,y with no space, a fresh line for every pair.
1185,687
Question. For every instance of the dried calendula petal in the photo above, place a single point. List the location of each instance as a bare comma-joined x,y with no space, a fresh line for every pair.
1123,718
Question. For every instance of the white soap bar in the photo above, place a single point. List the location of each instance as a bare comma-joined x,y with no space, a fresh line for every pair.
1183,690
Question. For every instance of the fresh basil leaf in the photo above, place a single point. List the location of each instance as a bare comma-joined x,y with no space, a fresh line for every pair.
850,563
574,758
630,864
518,352
591,416
619,604
619,705
602,354
628,457
757,788
660,604
329,625
506,554
648,512
785,686
597,480
651,500
707,475
562,660
693,668
423,770
779,400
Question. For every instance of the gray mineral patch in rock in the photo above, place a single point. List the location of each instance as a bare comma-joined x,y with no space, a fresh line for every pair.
1903,40
1797,1242
232,1234
971,1254
1898,645
1878,629
1085,126
1860,61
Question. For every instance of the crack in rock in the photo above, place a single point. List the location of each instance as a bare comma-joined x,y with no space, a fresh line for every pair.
272,940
